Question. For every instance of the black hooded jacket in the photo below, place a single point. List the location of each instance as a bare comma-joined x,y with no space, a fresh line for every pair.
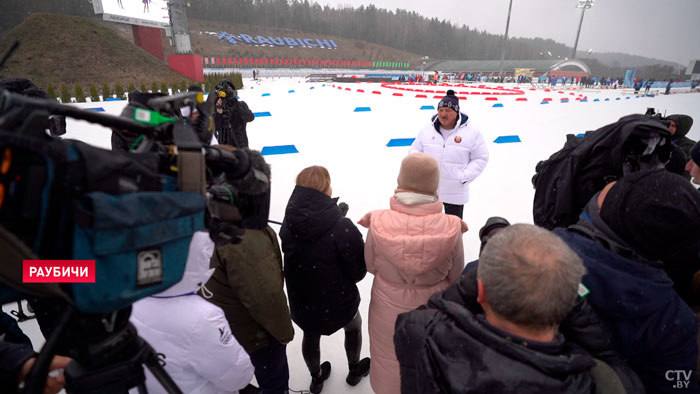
323,260
680,138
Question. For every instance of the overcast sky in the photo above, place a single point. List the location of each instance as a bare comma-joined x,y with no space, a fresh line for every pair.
662,29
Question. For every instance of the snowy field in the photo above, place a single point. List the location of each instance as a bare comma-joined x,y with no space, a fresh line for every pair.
320,121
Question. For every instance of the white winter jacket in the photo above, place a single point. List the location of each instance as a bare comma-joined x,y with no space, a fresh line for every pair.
461,153
201,354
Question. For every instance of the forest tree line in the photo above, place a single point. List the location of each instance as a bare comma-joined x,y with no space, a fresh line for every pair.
400,29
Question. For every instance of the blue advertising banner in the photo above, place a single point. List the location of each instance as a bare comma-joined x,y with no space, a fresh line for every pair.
235,39
629,78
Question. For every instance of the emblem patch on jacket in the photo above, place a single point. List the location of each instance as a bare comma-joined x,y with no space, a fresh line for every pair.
225,336
458,139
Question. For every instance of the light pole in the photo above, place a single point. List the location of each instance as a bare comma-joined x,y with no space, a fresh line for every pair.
505,40
422,68
583,5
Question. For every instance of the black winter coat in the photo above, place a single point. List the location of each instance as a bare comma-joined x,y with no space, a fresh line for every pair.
240,116
323,260
444,348
676,163
581,326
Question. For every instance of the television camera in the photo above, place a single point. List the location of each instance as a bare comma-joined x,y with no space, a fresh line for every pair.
63,199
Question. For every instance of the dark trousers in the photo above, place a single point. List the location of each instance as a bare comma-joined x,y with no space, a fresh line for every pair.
271,368
310,345
452,209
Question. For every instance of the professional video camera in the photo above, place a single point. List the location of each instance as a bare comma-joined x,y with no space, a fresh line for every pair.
651,111
133,213
227,92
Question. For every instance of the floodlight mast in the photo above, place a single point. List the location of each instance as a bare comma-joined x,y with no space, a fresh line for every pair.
505,41
583,5
422,68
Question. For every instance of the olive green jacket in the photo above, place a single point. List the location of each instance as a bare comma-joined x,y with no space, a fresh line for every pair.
248,285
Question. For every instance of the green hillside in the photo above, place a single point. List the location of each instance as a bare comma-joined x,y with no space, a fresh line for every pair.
68,49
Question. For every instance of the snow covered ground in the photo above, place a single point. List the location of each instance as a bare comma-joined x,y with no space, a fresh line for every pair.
320,121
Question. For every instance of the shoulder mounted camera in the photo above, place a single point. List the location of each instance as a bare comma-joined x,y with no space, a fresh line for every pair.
133,212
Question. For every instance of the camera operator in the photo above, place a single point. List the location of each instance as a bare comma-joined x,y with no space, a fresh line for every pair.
231,116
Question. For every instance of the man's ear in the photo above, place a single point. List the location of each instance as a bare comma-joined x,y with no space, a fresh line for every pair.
604,193
481,292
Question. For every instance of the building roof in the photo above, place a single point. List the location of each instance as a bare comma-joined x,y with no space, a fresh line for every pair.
491,66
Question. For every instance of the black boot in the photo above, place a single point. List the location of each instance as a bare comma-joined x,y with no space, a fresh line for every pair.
317,381
358,371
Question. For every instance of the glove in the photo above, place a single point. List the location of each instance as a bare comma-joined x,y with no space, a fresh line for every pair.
343,208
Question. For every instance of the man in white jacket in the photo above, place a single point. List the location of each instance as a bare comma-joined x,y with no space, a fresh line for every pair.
193,335
458,147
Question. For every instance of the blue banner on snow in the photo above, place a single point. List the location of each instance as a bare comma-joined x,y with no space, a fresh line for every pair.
96,109
400,142
507,139
261,114
279,150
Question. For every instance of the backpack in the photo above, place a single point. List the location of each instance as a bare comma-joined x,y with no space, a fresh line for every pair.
566,181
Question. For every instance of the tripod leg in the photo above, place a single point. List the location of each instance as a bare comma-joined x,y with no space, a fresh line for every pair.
151,361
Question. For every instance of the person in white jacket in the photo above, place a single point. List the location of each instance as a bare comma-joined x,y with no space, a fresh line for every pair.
458,147
193,335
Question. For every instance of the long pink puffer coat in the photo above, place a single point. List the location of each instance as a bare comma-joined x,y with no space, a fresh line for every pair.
413,251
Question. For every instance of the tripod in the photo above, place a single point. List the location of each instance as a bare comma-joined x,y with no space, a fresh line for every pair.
226,136
110,365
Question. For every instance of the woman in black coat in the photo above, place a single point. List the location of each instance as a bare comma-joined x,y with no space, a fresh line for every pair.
323,261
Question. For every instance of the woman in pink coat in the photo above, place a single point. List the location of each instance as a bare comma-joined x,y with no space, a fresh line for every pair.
414,250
